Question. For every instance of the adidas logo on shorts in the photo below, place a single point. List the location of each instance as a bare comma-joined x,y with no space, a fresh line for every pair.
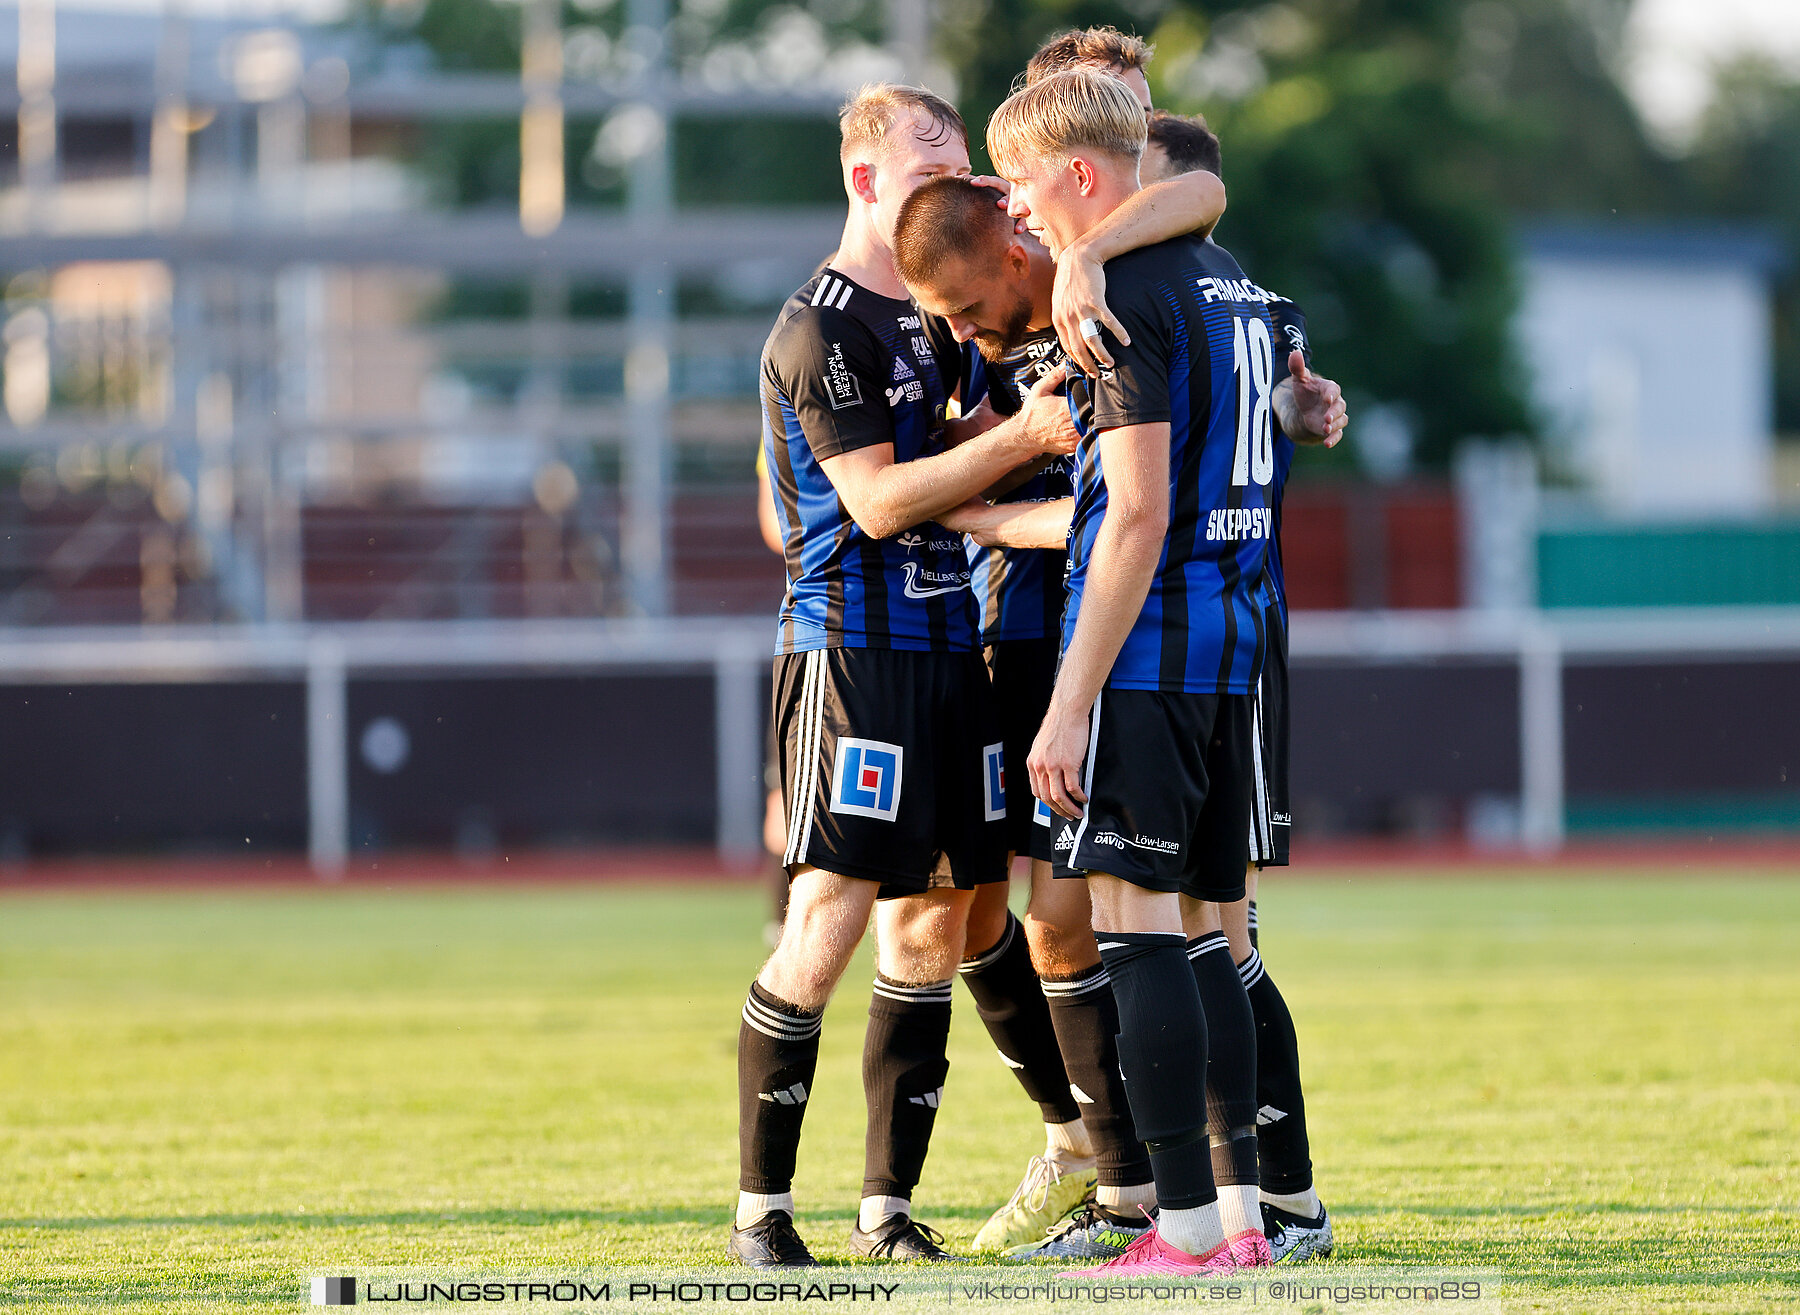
1065,839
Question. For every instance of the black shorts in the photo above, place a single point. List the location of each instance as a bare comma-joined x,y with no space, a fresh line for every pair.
1169,779
1024,672
892,767
1271,821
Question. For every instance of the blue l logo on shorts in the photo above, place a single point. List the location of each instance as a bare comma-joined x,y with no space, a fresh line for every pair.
993,781
867,779
1042,816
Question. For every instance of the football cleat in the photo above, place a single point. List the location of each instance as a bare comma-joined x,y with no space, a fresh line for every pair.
1086,1234
770,1243
1150,1255
1044,1195
1251,1250
900,1238
1294,1240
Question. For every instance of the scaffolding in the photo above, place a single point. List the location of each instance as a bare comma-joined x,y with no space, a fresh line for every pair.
235,376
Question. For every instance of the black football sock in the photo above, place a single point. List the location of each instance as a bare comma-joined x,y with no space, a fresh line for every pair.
778,1049
1230,1081
903,1081
1162,1052
1012,1007
1284,1152
1086,1018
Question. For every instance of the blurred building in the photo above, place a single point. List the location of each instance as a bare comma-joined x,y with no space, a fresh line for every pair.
1651,359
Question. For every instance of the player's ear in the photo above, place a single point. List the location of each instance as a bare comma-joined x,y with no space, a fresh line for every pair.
1018,260
862,182
1087,178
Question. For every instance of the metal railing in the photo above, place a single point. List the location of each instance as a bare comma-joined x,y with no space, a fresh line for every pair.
736,653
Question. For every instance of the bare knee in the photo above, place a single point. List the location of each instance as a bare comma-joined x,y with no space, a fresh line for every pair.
1059,925
919,938
987,918
1198,917
827,915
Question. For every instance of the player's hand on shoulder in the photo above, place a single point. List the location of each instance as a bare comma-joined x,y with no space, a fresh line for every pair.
1078,301
1045,415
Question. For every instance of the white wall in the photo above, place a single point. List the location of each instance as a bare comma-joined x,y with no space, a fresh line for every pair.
1655,373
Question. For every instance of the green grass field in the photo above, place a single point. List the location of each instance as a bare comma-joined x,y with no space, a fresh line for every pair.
1590,1086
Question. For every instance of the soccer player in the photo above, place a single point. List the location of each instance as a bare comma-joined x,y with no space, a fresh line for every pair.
998,968
957,252
960,258
890,761
1146,748
1293,1217
1309,409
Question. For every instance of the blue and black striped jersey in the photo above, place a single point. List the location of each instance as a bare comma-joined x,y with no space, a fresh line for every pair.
846,368
1202,358
1020,590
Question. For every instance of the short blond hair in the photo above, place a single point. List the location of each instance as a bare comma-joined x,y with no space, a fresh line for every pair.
1077,109
873,112
1089,47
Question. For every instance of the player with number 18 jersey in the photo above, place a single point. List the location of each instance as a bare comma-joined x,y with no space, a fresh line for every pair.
1201,359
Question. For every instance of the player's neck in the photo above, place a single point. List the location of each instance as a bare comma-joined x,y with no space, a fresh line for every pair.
1043,288
864,258
1112,192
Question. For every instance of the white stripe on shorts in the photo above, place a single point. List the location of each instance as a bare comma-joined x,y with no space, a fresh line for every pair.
807,743
1087,778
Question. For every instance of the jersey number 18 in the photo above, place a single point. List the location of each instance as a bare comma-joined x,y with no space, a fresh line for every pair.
1253,358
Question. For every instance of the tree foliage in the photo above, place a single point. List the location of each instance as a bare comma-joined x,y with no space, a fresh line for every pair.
1378,153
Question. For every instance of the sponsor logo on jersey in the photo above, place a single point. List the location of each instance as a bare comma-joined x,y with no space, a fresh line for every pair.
902,371
1212,288
1237,524
910,391
840,381
1156,845
1295,336
910,323
993,781
921,346
921,583
866,782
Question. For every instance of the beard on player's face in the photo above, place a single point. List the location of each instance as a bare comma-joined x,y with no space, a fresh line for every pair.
996,343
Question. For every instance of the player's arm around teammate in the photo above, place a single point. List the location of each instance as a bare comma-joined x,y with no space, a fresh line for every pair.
885,497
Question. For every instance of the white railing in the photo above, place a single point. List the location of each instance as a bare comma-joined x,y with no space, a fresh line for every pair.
1542,644
736,652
